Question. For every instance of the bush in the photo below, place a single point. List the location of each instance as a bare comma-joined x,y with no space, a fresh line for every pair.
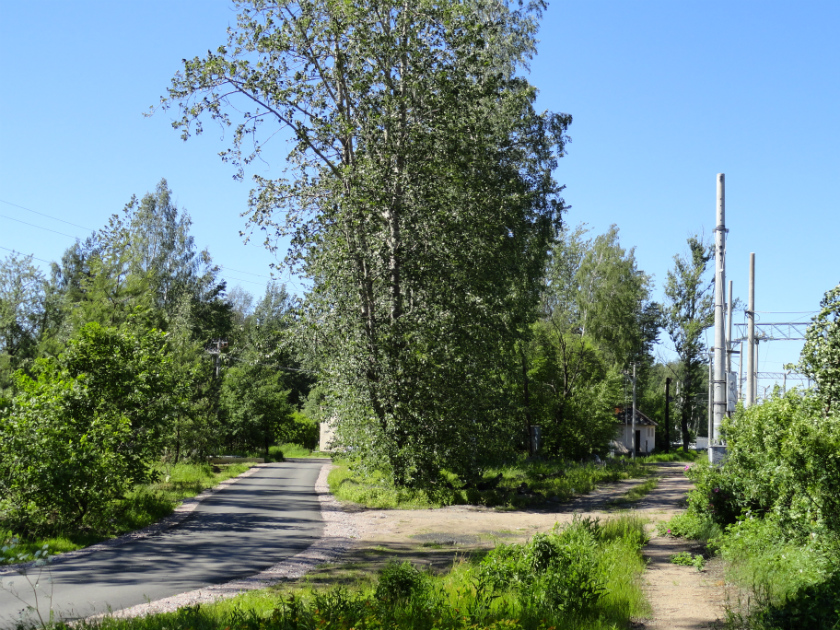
301,430
557,571
79,435
782,460
400,581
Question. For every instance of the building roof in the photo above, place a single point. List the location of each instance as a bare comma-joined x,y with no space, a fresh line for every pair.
624,417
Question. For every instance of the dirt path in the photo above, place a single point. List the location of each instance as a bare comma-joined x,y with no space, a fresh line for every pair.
680,596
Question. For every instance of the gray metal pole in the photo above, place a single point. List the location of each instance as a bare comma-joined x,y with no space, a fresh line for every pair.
720,331
711,413
741,373
729,330
633,417
751,336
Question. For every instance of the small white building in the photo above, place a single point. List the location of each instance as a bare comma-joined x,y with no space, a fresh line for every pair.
645,433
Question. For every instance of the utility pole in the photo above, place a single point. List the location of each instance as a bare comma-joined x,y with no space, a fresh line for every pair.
633,418
729,330
720,332
731,380
668,414
751,337
710,407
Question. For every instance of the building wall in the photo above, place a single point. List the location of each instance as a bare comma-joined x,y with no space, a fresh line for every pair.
326,437
647,435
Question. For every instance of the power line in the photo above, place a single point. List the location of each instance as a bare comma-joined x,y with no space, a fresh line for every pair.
250,273
241,280
38,226
14,251
44,214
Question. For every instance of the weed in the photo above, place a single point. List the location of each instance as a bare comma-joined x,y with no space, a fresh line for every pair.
522,483
588,579
35,570
685,559
637,492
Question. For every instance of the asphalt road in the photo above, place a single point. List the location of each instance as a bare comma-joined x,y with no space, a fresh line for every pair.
241,530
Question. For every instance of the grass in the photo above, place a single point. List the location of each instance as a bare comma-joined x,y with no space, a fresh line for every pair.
637,492
686,559
296,450
278,452
673,456
603,594
524,483
144,505
776,567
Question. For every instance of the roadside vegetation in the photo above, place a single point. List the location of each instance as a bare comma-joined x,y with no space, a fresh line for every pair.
141,506
772,509
585,575
523,483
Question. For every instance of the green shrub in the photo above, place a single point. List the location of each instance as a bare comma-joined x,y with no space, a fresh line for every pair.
301,430
693,526
686,559
400,581
81,433
554,571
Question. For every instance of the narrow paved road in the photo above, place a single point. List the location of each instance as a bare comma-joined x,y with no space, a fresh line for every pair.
243,529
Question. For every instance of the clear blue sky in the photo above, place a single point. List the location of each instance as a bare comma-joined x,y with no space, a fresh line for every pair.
664,96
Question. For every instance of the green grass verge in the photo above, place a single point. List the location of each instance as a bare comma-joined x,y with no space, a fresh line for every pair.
144,505
673,456
585,576
523,483
637,492
296,450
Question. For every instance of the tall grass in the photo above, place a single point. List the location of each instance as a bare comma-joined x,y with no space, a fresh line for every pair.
585,576
673,456
524,482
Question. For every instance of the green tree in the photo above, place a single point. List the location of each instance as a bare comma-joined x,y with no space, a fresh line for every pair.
688,312
820,356
574,392
256,405
597,318
84,429
422,203
23,311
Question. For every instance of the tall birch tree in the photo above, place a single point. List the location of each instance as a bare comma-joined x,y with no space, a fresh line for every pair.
419,199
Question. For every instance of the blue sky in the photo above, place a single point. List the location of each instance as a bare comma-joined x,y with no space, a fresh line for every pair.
664,96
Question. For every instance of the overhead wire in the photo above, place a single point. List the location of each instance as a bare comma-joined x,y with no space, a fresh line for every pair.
44,214
40,227
49,216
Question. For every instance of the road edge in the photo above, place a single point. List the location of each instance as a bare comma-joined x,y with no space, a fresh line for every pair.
339,534
178,516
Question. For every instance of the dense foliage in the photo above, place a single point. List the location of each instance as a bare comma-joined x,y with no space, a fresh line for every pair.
597,320
688,312
105,370
83,431
422,204
773,506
